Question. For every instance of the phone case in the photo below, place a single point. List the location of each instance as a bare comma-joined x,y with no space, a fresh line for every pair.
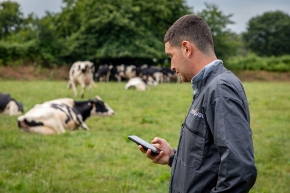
144,143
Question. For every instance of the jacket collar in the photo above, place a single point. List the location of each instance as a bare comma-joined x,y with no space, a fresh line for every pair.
205,75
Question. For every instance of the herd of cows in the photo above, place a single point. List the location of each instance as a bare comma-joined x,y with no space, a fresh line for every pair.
58,115
119,72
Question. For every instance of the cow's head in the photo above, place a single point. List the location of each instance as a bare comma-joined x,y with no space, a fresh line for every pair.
86,66
100,108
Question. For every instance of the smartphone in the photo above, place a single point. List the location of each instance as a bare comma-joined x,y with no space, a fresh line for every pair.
144,144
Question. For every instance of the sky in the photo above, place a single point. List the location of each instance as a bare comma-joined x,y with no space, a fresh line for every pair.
242,10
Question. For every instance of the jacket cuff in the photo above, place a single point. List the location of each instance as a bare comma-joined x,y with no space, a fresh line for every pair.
171,158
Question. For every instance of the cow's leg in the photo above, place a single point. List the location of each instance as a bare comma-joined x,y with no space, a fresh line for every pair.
118,77
160,78
90,88
83,86
74,89
56,124
178,79
108,77
94,84
38,127
44,119
68,85
41,130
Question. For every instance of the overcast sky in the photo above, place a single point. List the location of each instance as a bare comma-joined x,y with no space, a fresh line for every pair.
242,10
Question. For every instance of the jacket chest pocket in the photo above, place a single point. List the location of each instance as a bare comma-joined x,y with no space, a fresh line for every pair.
192,142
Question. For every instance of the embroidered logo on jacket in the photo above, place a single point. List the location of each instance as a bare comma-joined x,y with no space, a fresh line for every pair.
196,113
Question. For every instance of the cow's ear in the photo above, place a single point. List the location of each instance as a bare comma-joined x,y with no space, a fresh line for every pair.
98,98
92,103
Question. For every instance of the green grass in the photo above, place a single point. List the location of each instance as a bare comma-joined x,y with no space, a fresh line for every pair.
104,160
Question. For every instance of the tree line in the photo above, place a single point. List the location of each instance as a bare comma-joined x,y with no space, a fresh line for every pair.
127,31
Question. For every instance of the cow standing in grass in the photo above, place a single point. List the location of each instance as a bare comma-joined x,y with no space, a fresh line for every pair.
57,116
81,73
10,106
123,72
103,73
154,72
169,74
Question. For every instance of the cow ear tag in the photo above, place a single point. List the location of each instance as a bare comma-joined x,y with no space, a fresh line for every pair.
91,103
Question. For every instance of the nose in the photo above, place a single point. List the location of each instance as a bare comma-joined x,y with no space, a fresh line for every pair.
111,113
172,68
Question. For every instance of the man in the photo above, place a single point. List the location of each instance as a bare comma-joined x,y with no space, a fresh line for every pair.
215,150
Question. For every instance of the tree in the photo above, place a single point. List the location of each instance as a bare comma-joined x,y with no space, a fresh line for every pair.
51,45
269,34
225,41
109,30
10,18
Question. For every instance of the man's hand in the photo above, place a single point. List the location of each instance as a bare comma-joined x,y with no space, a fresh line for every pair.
163,156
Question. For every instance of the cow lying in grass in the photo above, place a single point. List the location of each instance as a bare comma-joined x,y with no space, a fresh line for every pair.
59,115
81,73
140,83
10,106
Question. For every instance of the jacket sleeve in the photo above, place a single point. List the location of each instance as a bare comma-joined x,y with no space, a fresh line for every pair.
233,139
171,158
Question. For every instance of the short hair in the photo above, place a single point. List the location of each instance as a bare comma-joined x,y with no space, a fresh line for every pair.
190,28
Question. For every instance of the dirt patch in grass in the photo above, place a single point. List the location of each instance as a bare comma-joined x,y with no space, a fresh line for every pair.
61,73
249,76
34,73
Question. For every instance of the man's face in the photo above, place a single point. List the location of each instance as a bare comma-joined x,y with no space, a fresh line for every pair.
178,62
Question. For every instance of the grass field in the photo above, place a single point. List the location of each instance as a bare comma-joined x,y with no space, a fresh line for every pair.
104,160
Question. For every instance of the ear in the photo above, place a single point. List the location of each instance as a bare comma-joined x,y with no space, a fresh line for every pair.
92,102
98,97
187,48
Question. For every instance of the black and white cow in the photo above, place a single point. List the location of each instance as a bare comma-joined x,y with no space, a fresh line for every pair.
123,71
154,72
9,105
140,83
81,73
57,116
114,73
168,74
103,73
127,71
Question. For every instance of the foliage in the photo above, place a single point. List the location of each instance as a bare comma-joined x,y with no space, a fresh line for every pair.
51,46
106,30
104,160
13,52
254,62
269,34
10,18
130,32
99,31
225,41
